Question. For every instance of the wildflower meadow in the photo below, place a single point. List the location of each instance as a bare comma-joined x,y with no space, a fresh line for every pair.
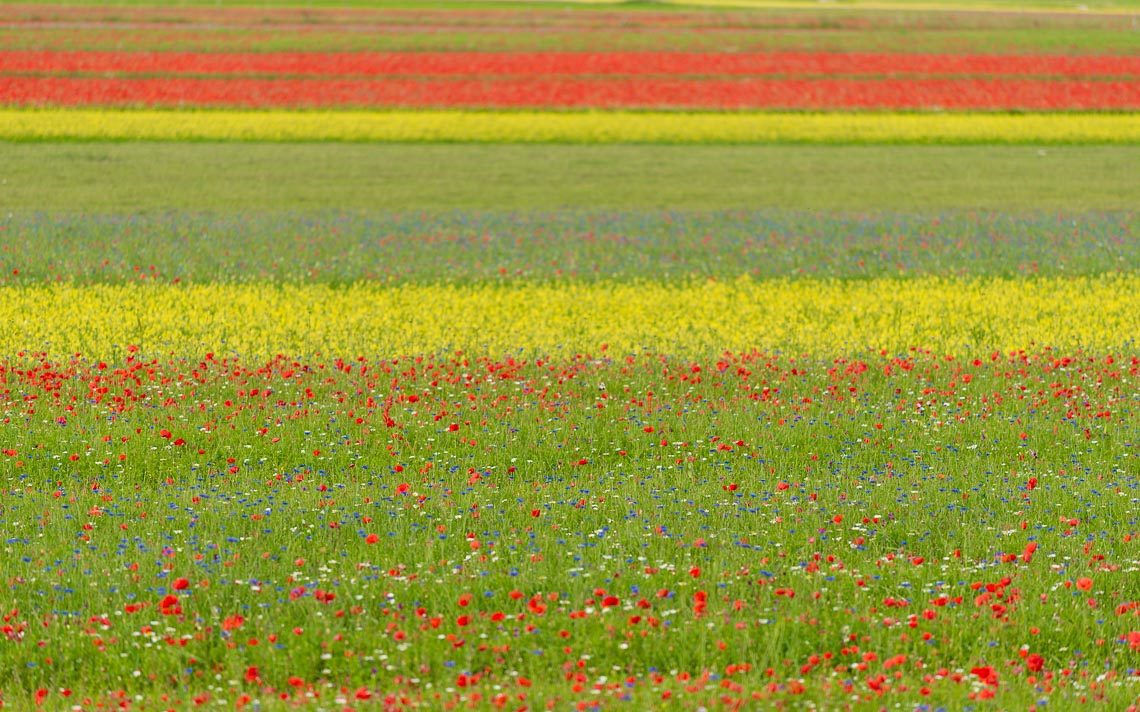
722,355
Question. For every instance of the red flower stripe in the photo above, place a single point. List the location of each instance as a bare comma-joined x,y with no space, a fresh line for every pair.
565,63
578,93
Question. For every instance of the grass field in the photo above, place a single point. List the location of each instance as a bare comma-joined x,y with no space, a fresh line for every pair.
322,420
153,177
634,6
485,26
980,39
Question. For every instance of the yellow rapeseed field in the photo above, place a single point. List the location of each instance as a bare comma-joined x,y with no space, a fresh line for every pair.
570,127
823,317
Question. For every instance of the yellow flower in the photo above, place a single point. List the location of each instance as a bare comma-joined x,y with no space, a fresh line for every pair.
820,317
571,127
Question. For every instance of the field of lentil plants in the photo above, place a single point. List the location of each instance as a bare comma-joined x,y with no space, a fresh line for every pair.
564,356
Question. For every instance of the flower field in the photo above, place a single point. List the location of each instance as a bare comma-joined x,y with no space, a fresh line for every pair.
547,127
1022,94
824,318
572,80
544,64
277,432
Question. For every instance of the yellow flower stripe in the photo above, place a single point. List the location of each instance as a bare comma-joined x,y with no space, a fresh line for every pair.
824,317
588,127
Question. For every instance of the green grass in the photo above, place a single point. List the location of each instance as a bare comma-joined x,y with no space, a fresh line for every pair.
156,177
1013,40
807,28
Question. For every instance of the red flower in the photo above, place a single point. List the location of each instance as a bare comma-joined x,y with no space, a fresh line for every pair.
542,64
169,605
986,674
577,91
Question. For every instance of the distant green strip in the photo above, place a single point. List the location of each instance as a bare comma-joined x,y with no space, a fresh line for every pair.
1092,7
1119,7
129,177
